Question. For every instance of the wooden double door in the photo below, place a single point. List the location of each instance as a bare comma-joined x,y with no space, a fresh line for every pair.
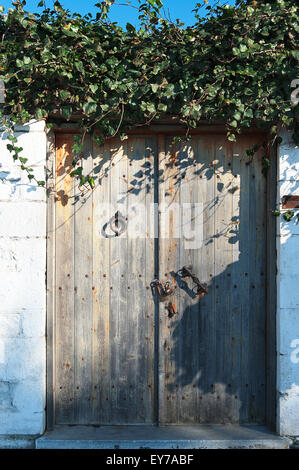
123,354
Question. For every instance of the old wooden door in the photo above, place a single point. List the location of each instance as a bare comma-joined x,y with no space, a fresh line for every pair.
120,353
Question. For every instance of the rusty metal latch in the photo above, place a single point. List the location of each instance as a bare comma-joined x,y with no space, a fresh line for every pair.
165,289
171,309
201,288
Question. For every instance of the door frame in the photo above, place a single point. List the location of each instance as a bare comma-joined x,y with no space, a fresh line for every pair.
161,129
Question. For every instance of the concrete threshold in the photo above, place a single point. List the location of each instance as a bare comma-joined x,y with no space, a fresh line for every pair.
166,437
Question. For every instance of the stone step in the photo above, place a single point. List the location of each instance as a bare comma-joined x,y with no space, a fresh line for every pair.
166,437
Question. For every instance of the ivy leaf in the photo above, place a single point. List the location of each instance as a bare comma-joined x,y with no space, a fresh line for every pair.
91,182
77,172
155,87
162,107
66,111
288,215
82,180
63,94
243,48
40,113
93,87
90,107
130,28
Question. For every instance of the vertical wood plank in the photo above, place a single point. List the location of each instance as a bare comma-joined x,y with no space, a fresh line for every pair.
65,327
101,399
225,237
83,292
118,278
258,251
240,283
208,321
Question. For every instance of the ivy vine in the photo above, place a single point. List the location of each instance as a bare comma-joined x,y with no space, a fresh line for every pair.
236,64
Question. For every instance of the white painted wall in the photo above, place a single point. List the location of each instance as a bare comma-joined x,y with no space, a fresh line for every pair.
22,286
288,295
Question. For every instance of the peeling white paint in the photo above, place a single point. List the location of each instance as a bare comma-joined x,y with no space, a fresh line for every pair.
288,295
22,287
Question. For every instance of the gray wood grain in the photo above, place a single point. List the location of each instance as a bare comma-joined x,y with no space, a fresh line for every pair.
65,265
83,303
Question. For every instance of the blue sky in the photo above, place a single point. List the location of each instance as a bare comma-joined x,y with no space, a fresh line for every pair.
122,14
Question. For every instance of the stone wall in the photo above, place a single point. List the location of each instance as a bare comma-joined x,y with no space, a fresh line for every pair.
22,286
288,295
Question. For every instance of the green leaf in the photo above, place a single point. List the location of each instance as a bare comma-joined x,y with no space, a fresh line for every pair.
93,87
90,107
40,113
77,172
91,182
66,111
130,28
243,48
82,180
162,107
237,116
155,87
63,94
104,107
288,215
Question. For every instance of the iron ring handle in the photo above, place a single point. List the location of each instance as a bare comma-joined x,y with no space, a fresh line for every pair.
118,224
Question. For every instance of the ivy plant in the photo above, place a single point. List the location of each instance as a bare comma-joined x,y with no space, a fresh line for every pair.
236,64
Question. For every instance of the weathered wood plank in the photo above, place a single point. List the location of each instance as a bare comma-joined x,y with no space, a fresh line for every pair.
117,267
64,321
258,252
140,263
101,396
224,239
240,282
83,292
